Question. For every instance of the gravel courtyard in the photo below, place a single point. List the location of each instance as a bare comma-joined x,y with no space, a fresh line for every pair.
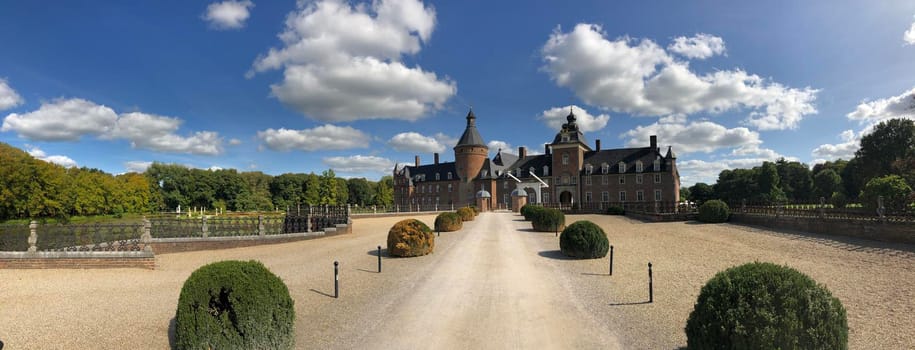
495,284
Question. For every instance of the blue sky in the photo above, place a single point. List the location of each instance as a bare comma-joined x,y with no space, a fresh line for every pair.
282,86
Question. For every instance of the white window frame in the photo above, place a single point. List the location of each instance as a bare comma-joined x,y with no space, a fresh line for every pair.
640,196
588,180
657,195
638,166
605,196
657,178
449,188
574,179
437,177
603,180
657,165
565,158
622,196
587,197
622,166
638,179
546,170
449,175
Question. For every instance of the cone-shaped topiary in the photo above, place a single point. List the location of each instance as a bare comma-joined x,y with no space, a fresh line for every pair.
466,213
448,221
410,237
529,211
766,306
234,305
548,220
714,211
584,240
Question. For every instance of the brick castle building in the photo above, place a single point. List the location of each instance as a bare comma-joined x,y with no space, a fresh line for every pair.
569,172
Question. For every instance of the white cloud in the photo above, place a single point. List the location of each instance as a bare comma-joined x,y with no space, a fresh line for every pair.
496,145
909,35
62,160
702,136
415,142
325,137
342,62
701,46
556,116
136,166
8,97
899,106
844,150
696,170
643,79
228,14
360,164
446,140
234,142
71,119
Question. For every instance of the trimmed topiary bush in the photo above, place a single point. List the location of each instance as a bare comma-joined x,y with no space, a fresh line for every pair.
529,211
234,305
476,211
615,210
714,211
410,237
447,222
548,220
466,213
766,306
584,240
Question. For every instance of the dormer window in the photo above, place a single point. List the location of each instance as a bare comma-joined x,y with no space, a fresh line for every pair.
589,169
449,176
484,173
638,166
565,138
546,170
604,168
622,167
657,164
437,177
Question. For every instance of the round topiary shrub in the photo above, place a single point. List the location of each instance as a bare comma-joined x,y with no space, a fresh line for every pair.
584,240
616,210
234,305
548,220
476,211
447,222
466,213
766,306
714,211
529,211
410,237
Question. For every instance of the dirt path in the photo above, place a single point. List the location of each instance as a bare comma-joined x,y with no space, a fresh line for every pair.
490,292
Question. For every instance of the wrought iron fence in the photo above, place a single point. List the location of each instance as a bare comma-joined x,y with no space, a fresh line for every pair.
89,237
14,238
824,211
216,226
372,209
659,207
315,218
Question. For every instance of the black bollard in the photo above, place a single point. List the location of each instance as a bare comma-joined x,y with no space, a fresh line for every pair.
379,259
336,279
650,285
611,260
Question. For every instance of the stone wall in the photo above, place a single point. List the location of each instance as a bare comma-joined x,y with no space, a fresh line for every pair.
886,231
176,245
76,260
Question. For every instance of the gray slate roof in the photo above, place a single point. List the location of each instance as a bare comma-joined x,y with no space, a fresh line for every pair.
471,136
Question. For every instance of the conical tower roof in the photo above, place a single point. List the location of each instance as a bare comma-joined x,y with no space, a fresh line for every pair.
471,136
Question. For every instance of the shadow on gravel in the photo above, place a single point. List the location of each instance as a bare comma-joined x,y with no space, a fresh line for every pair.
374,252
554,254
369,271
594,274
172,342
322,293
629,303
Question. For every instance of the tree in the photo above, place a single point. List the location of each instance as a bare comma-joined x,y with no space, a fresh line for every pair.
827,182
701,192
736,185
768,180
312,190
795,180
342,191
890,141
852,180
384,191
360,191
684,193
287,190
895,191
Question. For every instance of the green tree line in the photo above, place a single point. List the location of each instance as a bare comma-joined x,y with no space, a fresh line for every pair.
32,188
884,165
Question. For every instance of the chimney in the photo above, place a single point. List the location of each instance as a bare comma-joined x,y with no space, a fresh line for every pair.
597,145
436,157
522,152
417,161
654,143
546,149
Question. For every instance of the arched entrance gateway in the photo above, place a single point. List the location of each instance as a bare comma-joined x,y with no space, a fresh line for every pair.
565,197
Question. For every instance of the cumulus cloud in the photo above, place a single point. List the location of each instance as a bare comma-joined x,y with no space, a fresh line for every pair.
872,112
62,160
136,166
642,78
696,170
234,142
325,137
342,62
415,142
844,150
72,119
358,164
228,14
556,116
701,46
702,136
496,145
8,97
446,140
909,35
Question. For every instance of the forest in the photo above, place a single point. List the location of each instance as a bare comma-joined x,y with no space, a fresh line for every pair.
32,188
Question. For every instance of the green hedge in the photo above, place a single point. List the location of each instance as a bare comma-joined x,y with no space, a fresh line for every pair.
234,305
714,211
615,210
530,210
584,240
766,306
466,213
410,237
548,220
448,222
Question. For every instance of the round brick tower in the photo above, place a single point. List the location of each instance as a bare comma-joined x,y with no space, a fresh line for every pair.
470,152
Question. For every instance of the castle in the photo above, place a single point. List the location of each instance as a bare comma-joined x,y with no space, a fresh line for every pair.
569,173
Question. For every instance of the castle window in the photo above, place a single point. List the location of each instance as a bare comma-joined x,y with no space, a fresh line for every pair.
437,177
437,200
622,196
565,179
546,170
565,158
657,164
657,178
587,197
574,180
605,196
437,190
622,179
657,195
449,187
638,179
638,166
603,180
484,173
622,167
588,180
589,169
604,168
640,196
449,176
